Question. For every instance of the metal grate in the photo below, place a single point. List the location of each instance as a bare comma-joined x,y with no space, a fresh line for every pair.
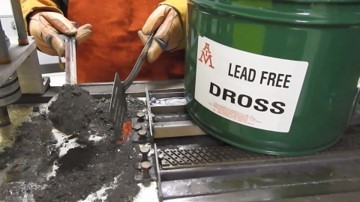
172,158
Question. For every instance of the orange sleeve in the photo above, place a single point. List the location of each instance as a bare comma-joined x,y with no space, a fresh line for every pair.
30,6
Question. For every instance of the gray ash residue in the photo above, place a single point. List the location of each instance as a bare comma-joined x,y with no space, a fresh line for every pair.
83,170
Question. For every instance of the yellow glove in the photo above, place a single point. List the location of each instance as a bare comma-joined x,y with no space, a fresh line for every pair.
170,31
48,29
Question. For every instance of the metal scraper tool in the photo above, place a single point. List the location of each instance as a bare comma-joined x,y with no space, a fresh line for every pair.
118,104
70,60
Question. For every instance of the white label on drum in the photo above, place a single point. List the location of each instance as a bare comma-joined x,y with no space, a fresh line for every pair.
250,89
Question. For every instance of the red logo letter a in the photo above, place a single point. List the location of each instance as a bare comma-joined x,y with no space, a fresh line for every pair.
206,55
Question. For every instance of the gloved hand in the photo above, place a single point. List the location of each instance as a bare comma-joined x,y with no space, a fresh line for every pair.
48,29
170,34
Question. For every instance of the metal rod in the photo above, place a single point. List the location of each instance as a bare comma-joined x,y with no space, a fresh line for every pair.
20,23
150,119
4,117
139,62
70,61
4,53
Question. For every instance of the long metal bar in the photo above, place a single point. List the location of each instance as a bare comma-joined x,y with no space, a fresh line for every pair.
267,195
20,23
158,174
150,118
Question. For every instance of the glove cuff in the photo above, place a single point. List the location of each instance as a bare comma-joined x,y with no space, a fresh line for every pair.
31,7
179,6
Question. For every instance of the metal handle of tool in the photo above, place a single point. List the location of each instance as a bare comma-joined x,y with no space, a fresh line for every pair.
139,62
70,60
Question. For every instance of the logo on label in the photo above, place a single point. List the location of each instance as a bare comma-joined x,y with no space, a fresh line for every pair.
206,56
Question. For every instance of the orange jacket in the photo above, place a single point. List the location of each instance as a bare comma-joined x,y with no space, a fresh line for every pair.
114,45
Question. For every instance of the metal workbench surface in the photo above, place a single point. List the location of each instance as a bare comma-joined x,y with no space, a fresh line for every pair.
225,173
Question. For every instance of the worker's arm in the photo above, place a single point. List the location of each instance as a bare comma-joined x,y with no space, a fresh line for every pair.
31,6
46,23
168,19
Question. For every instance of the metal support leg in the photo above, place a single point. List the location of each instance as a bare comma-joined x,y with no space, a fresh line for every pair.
20,23
9,93
4,53
4,117
30,78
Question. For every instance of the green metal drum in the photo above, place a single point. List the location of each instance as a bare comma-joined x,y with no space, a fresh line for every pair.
276,77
